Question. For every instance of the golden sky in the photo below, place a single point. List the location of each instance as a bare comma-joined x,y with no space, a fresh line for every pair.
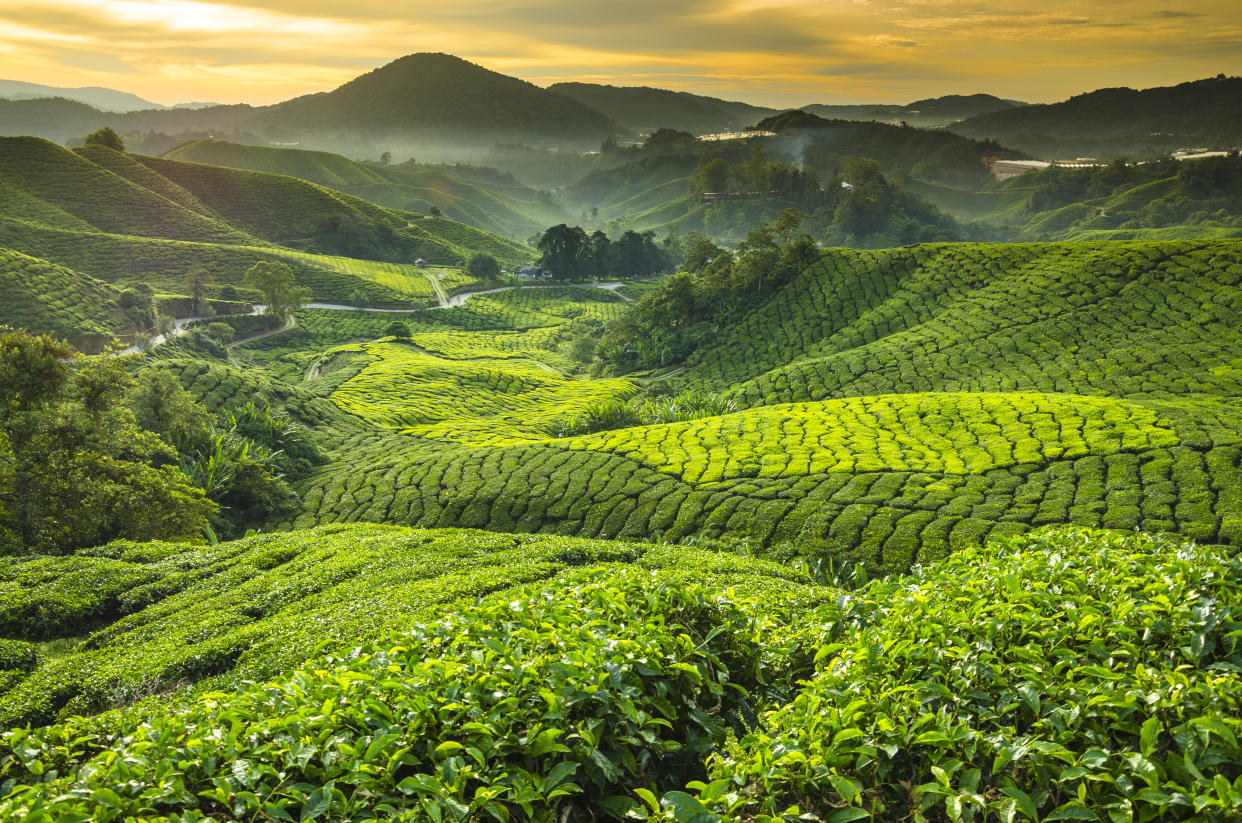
773,52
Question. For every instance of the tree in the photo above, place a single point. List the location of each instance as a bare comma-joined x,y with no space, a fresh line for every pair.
483,266
434,211
398,329
562,250
711,175
75,468
199,278
386,158
280,289
106,137
161,405
222,331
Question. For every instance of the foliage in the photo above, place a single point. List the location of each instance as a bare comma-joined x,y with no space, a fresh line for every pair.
483,266
998,684
1066,675
572,254
107,138
275,281
79,470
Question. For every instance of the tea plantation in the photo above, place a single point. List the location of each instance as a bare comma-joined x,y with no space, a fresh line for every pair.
1066,675
945,532
130,220
892,406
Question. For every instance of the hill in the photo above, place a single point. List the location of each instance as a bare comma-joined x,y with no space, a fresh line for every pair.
95,96
644,109
929,113
540,678
880,407
1165,199
132,220
49,299
1121,122
491,202
445,96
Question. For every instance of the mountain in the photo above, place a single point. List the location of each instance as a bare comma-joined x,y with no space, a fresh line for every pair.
935,111
645,109
1114,122
441,95
100,98
64,120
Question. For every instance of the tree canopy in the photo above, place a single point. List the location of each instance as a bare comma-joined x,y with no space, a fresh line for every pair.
280,289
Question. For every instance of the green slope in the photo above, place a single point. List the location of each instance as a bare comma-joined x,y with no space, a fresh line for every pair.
49,299
490,203
128,220
93,194
940,394
540,678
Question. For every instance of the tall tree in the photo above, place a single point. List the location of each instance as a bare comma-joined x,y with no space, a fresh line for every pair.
280,289
562,250
106,137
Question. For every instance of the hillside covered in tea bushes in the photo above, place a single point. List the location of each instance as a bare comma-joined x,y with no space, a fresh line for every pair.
451,675
881,407
96,214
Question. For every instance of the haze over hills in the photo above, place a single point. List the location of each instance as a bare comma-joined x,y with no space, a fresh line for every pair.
646,109
937,111
109,100
1117,122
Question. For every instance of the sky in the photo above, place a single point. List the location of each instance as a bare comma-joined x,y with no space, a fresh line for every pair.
781,53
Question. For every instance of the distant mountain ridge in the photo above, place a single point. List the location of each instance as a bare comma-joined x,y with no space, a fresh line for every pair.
646,109
103,99
930,112
440,93
1113,122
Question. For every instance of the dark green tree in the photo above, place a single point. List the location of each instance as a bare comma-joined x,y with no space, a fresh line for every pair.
106,137
398,329
483,266
562,249
75,468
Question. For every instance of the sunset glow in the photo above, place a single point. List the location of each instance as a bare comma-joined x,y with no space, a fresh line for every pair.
776,52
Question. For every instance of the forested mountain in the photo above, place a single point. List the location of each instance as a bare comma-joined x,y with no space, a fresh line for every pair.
646,109
438,94
1121,122
935,111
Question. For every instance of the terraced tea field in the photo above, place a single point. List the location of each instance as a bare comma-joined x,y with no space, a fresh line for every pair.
893,406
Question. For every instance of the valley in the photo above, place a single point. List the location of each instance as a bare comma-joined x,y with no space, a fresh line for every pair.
809,475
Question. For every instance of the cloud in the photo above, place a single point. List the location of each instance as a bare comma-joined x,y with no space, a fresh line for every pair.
768,51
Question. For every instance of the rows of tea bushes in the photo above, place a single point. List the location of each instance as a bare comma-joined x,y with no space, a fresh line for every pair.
886,519
488,201
887,479
1116,318
941,433
1069,675
49,299
67,183
165,264
474,400
141,620
511,324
